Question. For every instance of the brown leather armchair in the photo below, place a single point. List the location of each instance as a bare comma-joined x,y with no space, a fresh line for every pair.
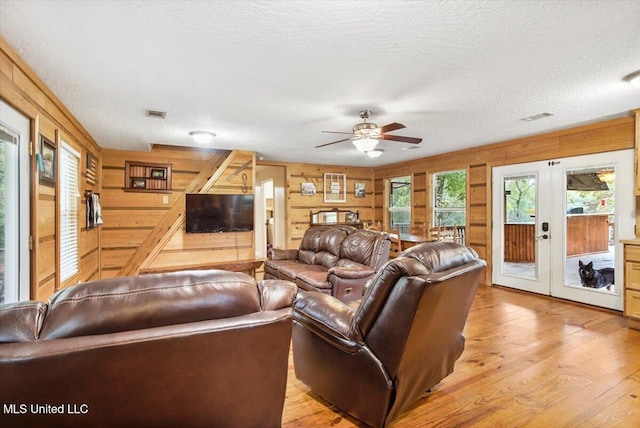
375,360
189,349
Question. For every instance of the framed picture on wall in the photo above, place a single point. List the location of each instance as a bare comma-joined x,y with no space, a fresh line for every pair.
47,162
360,190
158,173
335,187
308,189
138,183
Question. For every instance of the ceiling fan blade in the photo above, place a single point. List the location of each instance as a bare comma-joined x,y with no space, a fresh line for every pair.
334,142
391,127
411,140
337,132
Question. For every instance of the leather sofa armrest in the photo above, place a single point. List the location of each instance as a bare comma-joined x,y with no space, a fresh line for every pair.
21,321
279,254
276,294
328,317
352,272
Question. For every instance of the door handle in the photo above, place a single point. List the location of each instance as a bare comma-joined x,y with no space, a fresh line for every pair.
545,236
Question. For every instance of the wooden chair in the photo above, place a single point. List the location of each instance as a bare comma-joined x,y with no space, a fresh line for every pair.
449,233
377,226
433,233
461,235
396,243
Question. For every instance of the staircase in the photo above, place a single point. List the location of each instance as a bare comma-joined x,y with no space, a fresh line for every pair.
174,218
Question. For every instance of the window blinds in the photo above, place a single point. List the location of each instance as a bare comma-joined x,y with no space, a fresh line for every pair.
69,211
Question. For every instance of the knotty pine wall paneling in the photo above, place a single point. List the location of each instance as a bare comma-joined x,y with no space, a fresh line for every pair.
21,88
129,217
184,249
299,206
611,135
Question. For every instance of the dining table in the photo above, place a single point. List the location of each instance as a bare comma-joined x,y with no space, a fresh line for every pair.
409,240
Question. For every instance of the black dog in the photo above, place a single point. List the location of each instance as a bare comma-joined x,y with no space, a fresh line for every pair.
595,278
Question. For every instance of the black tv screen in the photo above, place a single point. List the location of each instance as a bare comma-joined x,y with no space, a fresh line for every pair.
209,213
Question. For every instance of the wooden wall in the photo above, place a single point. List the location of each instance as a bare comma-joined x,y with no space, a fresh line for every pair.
617,134
129,217
299,206
23,90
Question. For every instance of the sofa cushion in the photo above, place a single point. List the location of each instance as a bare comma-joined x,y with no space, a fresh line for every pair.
312,279
274,265
360,246
145,301
329,247
311,239
290,271
307,256
21,321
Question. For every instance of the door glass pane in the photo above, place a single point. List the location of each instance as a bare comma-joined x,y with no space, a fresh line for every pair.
590,229
8,217
519,244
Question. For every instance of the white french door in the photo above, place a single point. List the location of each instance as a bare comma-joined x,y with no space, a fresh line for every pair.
14,205
550,216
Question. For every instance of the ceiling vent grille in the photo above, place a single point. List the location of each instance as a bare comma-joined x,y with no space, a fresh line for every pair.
536,117
157,114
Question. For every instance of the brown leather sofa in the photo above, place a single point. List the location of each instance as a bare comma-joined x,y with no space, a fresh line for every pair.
336,260
376,359
187,349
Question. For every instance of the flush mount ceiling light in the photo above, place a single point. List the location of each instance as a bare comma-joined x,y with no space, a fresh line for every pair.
202,137
633,79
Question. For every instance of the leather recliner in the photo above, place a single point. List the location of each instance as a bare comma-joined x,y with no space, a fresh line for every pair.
189,349
375,359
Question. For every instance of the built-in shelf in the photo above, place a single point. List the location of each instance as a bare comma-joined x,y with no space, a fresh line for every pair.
147,177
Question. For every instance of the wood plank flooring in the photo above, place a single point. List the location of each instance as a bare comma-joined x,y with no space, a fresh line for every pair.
529,361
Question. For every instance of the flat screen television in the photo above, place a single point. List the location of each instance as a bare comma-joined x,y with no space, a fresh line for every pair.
210,213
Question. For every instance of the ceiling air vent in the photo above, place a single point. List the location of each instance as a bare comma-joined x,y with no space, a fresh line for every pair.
157,114
536,117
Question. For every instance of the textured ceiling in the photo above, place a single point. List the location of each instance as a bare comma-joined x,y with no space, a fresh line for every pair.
270,76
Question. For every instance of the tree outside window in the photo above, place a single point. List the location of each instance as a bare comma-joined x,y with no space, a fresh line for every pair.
450,198
400,203
520,199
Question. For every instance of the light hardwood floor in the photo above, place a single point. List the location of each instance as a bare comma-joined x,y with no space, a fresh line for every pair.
529,361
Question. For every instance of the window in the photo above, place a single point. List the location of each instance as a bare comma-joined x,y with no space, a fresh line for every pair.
450,198
400,203
520,199
69,211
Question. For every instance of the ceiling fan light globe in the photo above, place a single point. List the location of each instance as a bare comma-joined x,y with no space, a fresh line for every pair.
365,144
374,153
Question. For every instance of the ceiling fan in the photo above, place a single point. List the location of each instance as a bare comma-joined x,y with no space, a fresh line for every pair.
366,135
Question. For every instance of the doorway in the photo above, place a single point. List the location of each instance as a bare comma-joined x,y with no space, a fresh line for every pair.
557,226
270,226
15,213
